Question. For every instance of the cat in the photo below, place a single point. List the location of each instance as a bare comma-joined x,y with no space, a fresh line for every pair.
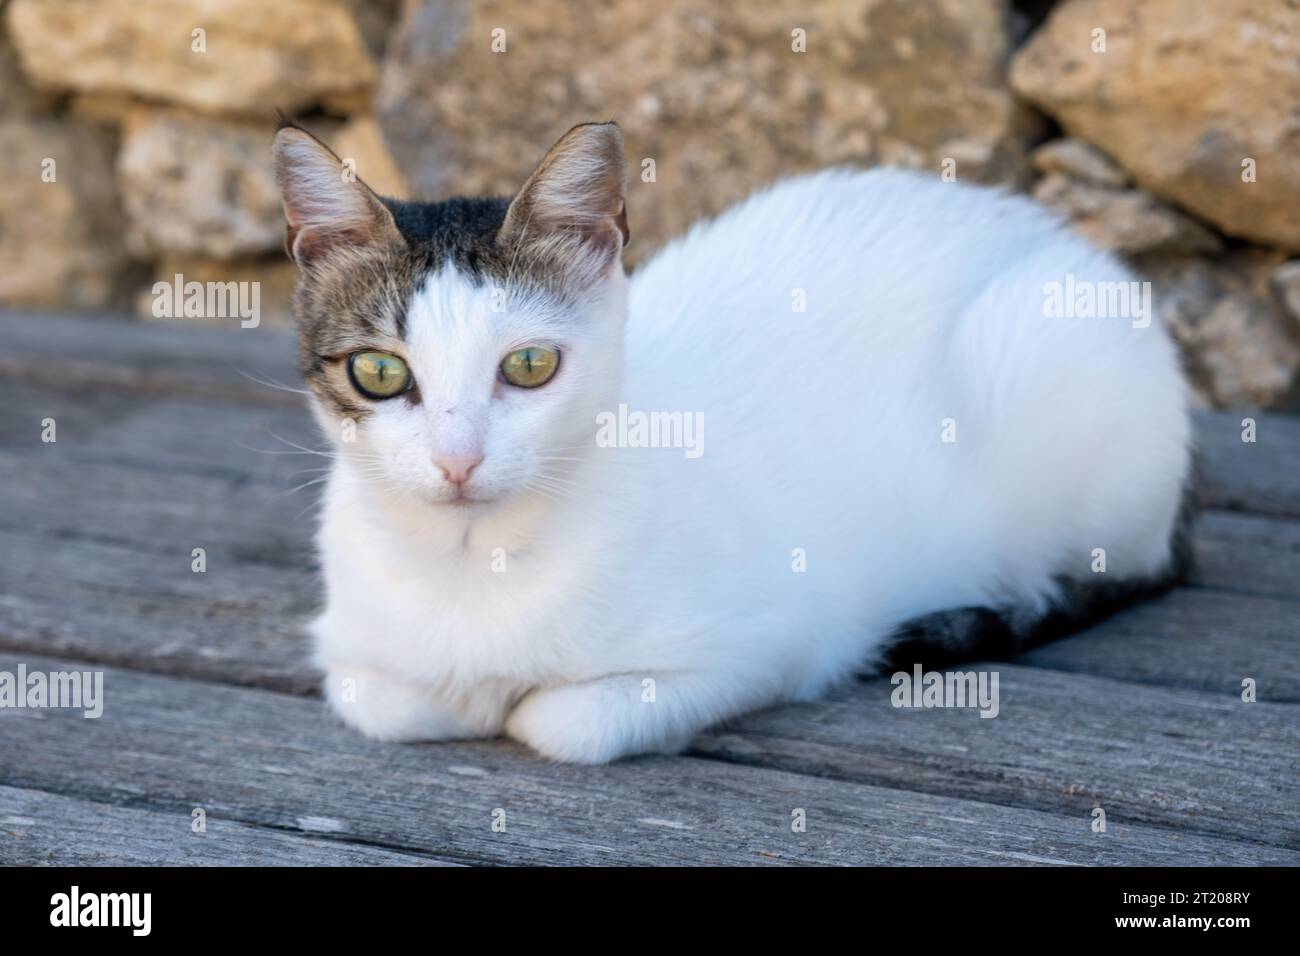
899,450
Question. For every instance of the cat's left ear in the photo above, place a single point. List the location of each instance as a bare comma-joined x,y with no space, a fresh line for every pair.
575,201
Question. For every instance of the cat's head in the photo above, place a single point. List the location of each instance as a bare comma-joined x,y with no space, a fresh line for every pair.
459,352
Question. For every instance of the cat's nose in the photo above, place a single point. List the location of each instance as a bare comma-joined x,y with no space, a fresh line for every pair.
458,467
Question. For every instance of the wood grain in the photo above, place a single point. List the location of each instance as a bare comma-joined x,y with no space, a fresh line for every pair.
1262,477
169,358
46,829
1203,640
272,760
1182,759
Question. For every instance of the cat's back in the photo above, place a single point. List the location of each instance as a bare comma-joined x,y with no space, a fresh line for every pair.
828,327
865,240
838,332
885,274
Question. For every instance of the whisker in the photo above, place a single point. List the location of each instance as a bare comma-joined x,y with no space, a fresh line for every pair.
273,384
305,484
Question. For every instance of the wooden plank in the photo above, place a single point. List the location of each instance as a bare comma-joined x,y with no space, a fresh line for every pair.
273,760
1263,476
1186,760
171,435
1201,640
240,622
98,530
1248,554
267,520
176,358
46,829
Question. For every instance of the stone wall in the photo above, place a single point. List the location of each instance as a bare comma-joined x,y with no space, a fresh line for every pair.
134,133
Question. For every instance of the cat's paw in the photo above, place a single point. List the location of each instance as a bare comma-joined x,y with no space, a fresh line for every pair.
566,723
589,723
383,708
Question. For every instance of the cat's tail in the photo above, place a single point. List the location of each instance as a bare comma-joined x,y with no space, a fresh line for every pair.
991,633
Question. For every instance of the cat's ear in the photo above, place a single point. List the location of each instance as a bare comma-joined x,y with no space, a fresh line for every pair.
574,202
326,207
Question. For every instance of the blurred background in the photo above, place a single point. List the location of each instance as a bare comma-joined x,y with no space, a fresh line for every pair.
1166,130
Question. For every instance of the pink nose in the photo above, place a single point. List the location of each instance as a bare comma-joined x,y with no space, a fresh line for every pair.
458,467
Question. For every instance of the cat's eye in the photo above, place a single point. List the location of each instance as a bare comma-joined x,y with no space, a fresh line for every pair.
530,367
378,374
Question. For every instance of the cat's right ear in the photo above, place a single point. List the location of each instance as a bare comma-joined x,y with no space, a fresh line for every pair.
326,207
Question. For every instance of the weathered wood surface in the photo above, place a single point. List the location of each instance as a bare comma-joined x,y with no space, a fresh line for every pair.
168,358
1260,476
270,760
165,445
39,828
1248,554
1193,639
1190,761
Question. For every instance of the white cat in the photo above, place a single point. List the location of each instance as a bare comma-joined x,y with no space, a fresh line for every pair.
891,441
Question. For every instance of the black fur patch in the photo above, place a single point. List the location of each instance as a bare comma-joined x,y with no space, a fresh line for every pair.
460,231
950,637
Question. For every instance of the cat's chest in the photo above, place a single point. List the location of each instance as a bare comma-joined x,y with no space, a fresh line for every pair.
474,616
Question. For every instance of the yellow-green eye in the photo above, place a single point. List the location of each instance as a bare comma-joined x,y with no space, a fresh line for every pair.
379,374
530,367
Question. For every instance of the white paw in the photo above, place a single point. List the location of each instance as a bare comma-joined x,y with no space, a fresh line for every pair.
386,709
590,723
